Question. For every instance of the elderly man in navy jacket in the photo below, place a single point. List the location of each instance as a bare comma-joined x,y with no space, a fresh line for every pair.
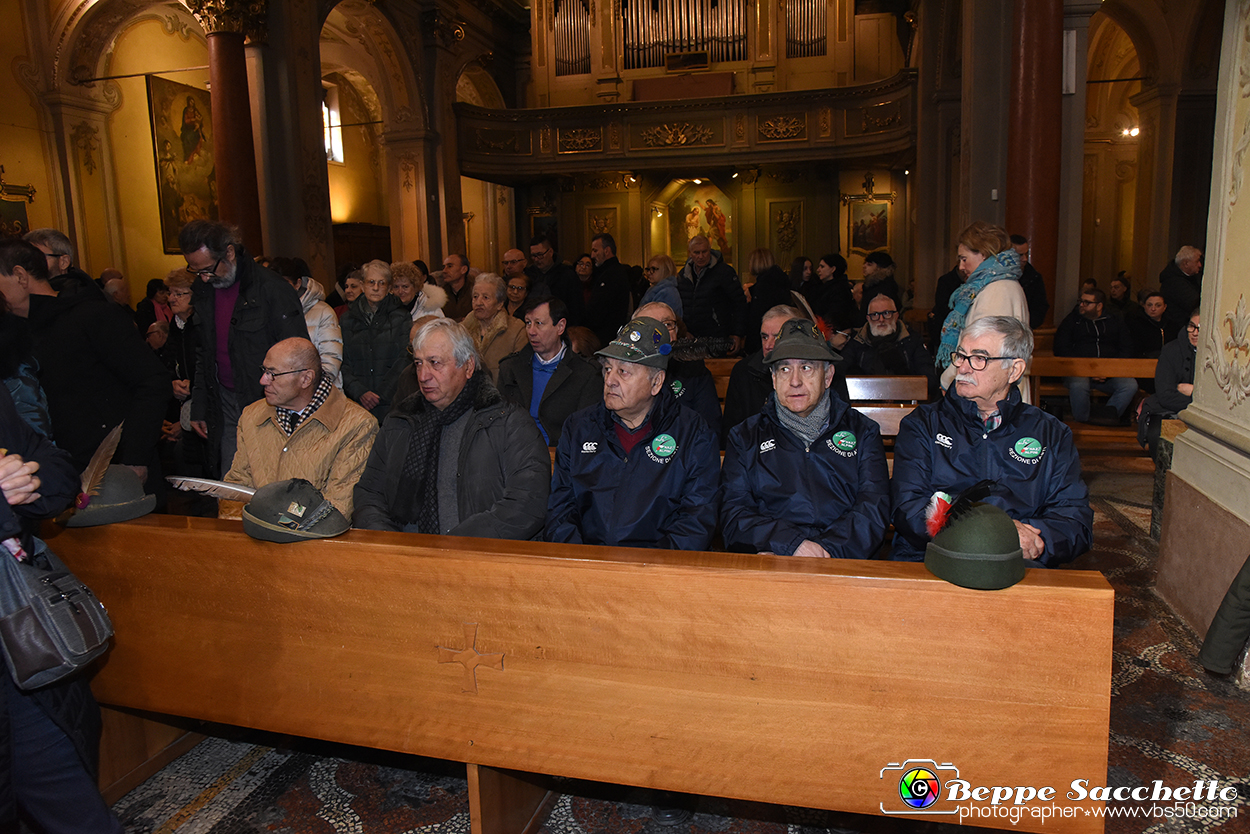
638,469
807,475
982,430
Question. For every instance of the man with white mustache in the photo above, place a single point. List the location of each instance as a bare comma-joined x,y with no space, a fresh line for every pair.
983,430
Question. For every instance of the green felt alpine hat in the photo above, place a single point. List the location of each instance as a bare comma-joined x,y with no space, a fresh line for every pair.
644,341
291,511
119,498
980,549
801,339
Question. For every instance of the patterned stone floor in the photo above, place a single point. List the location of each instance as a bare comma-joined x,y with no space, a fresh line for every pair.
1170,721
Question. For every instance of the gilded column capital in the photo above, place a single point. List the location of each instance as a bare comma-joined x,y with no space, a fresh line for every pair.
245,17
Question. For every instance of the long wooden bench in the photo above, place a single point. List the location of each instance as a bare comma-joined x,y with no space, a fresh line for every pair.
797,681
1103,439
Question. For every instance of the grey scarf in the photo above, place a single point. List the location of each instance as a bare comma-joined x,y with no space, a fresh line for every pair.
810,427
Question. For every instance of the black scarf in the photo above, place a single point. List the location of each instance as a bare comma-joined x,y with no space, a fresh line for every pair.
421,464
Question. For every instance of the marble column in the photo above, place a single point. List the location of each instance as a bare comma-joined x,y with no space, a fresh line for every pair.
1035,131
234,152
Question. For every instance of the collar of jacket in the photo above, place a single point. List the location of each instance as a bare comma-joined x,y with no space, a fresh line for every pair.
484,335
837,412
487,397
361,307
864,335
663,412
329,415
967,409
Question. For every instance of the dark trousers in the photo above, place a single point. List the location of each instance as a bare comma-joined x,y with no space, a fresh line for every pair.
50,782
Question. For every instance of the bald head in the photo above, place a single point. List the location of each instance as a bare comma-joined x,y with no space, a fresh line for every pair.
662,313
513,263
292,373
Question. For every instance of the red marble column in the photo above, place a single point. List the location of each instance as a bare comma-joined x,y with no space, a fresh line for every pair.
1035,132
238,196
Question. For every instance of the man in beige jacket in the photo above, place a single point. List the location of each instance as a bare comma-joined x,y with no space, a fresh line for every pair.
305,427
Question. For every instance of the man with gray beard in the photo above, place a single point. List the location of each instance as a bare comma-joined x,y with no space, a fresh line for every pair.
245,310
885,346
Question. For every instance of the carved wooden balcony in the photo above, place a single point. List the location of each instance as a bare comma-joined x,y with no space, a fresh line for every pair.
867,121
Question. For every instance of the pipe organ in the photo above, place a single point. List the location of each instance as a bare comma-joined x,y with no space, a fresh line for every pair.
654,28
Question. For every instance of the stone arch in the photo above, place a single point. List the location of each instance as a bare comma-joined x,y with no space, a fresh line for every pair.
357,36
85,33
476,86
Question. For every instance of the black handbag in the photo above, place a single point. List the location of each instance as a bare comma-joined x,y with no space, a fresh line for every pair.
51,624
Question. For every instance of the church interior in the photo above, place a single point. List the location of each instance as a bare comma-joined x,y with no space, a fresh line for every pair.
1108,133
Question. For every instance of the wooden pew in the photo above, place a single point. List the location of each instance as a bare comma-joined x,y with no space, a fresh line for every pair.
1103,439
797,681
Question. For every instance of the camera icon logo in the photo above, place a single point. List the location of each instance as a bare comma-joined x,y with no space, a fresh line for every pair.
919,785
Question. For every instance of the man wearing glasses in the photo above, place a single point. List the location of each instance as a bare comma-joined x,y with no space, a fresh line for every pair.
1087,331
639,469
547,270
885,346
983,430
305,427
807,475
245,310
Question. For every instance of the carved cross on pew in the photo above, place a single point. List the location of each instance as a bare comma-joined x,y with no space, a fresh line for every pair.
470,658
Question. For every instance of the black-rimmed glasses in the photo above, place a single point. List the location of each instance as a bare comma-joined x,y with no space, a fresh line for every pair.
975,361
204,272
272,374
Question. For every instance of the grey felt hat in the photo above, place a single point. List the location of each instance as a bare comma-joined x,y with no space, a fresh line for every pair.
980,549
291,511
120,498
644,341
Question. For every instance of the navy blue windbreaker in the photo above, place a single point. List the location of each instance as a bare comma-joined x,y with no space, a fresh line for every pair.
1031,455
775,492
662,495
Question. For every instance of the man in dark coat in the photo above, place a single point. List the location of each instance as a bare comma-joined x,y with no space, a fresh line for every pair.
1181,283
1088,331
807,475
1031,282
885,346
93,365
982,430
638,470
49,738
1151,327
455,458
64,277
546,377
245,310
546,270
751,384
712,300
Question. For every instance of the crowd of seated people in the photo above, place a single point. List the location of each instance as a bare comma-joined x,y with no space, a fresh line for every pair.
454,417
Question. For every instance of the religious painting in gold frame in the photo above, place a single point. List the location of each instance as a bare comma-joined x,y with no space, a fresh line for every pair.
868,226
14,222
182,146
701,209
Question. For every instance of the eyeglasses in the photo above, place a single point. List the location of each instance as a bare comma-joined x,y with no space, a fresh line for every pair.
272,374
975,361
1191,327
204,272
517,288
884,314
514,261
651,269
179,293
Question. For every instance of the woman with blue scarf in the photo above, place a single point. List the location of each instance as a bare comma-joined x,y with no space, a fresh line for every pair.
991,288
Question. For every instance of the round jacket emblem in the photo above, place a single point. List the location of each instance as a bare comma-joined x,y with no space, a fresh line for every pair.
664,445
1029,448
677,387
845,441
